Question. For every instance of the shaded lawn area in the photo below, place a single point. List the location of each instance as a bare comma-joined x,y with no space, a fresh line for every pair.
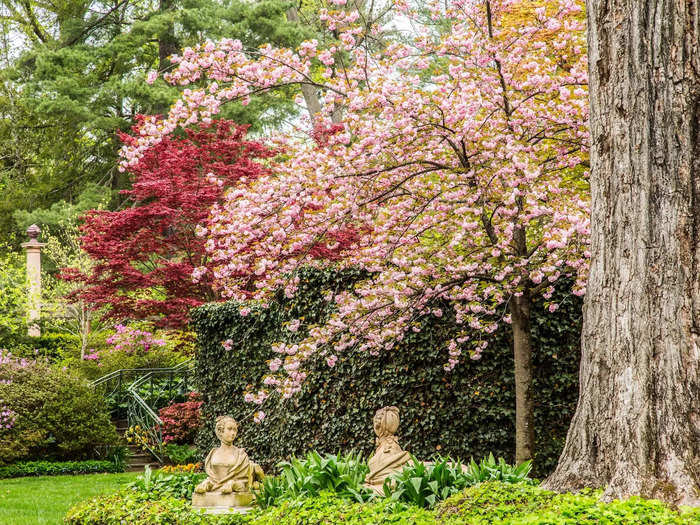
46,499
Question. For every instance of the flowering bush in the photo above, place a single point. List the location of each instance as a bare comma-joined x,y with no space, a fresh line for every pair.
7,417
132,340
181,420
131,346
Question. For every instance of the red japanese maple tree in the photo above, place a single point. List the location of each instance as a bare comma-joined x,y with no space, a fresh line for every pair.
146,251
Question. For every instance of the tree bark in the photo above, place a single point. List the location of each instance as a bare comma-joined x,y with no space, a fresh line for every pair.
636,429
524,399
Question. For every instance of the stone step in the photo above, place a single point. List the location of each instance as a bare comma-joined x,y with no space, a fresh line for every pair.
140,467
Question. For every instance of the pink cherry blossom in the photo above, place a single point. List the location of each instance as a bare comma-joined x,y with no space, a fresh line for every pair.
453,166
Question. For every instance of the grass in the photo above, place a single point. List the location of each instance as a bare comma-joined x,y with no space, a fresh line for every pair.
45,500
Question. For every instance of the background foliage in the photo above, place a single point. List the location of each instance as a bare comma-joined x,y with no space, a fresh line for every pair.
467,413
49,345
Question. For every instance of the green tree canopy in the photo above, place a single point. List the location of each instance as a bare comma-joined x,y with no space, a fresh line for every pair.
72,75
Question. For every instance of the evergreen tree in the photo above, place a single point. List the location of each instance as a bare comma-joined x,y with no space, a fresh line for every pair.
76,78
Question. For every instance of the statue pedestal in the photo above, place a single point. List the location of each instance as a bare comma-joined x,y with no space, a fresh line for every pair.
218,503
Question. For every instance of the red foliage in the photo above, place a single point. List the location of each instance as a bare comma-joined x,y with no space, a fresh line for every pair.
146,251
323,132
181,420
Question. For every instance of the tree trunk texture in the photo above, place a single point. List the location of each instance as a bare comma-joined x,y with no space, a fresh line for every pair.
524,399
637,426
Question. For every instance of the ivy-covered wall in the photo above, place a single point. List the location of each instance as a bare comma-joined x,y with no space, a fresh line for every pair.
468,412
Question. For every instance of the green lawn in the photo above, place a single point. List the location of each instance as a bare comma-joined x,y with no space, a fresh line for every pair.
45,500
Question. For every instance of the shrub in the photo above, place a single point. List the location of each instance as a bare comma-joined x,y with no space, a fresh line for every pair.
52,346
110,360
471,410
55,468
55,414
181,454
129,347
181,421
155,484
344,475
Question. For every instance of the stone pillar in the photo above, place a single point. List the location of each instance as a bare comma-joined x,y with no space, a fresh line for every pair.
33,248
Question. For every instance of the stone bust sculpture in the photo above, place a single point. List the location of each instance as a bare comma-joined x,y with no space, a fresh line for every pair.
229,471
388,457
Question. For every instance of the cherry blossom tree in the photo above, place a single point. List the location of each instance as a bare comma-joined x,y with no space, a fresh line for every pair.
459,170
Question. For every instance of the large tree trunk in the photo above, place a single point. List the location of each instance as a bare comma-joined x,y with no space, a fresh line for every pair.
524,399
637,426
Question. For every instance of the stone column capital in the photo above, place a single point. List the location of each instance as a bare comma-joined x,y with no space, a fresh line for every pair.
33,245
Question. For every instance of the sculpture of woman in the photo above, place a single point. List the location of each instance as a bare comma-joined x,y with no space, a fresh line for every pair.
227,467
388,457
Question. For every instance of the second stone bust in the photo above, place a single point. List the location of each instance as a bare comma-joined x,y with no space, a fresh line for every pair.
389,457
230,474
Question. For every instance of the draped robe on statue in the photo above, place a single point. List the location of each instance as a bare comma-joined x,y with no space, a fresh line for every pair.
387,459
235,468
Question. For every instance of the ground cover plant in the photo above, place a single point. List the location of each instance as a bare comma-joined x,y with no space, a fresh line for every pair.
490,503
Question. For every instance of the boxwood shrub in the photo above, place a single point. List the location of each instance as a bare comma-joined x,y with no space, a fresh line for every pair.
466,413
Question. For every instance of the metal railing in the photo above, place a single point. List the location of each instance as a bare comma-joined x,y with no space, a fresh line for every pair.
138,393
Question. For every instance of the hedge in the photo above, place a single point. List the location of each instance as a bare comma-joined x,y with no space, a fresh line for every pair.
56,468
466,413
